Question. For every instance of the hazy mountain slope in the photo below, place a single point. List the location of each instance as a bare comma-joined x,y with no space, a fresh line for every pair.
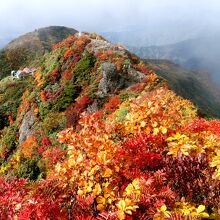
154,33
196,86
98,135
197,54
26,48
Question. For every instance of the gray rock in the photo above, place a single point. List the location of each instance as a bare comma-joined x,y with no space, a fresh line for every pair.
97,45
135,76
111,80
100,45
94,107
26,128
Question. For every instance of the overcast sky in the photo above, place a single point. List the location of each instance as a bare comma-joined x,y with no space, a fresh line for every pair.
20,16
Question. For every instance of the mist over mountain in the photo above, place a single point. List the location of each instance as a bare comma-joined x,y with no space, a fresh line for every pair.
197,75
157,22
161,33
2,43
200,54
41,39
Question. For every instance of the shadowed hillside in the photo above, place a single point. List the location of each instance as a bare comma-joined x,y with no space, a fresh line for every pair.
193,85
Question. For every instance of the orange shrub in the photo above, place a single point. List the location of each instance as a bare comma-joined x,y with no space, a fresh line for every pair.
68,54
43,96
29,146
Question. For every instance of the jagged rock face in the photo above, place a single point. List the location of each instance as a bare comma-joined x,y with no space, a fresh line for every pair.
26,128
113,81
97,45
135,76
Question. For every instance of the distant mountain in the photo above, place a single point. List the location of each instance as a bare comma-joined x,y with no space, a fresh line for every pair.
196,54
158,34
140,37
25,48
196,86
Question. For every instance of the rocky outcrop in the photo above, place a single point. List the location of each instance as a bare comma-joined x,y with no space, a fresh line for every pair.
113,81
93,107
27,126
134,76
99,45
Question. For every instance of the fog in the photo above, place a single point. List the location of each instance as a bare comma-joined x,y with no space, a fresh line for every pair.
166,21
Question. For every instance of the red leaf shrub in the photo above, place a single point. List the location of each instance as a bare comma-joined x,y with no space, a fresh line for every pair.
12,192
193,179
199,125
67,75
45,143
139,154
45,202
112,104
68,54
65,43
139,87
74,110
43,96
53,155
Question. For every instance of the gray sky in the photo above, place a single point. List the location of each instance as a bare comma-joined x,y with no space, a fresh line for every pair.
135,22
21,16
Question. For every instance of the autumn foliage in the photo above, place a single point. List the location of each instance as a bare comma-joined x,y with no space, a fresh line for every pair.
141,153
29,146
73,111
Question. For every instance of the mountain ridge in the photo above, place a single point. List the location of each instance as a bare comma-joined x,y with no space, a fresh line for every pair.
97,134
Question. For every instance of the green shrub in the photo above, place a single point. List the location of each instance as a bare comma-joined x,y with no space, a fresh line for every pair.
4,67
68,95
82,68
28,168
54,121
3,120
10,97
122,114
9,138
14,59
125,96
52,61
44,109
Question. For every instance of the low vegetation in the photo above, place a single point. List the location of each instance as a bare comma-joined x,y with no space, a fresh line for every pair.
137,152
